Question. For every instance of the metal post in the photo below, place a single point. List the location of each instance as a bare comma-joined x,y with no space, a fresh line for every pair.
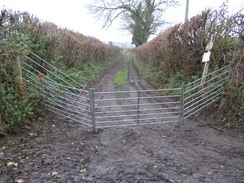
187,10
91,94
182,98
138,107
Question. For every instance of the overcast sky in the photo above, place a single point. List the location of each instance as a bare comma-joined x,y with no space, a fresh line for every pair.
74,15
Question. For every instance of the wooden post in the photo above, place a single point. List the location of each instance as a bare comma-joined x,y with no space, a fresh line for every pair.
209,47
205,73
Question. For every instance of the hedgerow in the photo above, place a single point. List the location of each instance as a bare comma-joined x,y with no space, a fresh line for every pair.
179,50
70,51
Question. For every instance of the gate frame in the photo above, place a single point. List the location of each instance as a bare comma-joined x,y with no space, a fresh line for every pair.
31,78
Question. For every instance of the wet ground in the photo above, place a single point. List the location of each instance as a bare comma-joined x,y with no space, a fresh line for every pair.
65,151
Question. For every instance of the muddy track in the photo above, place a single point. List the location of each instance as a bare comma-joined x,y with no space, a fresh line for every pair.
108,75
135,79
65,151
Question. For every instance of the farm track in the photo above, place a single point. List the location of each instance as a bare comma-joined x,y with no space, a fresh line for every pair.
65,151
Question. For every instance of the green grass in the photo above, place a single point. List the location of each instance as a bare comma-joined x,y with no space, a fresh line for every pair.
89,72
121,77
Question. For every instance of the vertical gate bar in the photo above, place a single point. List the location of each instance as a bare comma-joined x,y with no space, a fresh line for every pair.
138,107
92,109
182,104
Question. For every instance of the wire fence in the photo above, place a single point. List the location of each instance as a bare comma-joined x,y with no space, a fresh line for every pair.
65,97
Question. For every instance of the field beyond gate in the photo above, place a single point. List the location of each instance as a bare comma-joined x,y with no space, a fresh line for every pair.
102,109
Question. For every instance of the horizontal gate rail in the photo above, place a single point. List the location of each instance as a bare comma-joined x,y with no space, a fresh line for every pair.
210,74
135,98
206,83
136,124
131,115
141,91
140,107
202,99
132,105
153,109
61,113
56,96
69,78
67,111
200,95
35,75
66,97
64,86
203,94
206,101
48,71
199,109
133,120
67,104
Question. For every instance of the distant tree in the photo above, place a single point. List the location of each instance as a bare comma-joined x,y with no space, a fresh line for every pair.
110,43
141,18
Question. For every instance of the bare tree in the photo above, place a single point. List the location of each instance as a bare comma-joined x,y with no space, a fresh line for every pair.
141,18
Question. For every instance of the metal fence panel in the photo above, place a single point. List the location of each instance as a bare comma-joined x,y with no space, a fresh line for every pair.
121,108
200,95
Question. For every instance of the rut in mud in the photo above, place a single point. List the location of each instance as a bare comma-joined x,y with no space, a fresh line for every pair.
64,151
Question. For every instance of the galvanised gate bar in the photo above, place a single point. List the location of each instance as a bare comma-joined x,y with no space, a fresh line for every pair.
142,107
67,98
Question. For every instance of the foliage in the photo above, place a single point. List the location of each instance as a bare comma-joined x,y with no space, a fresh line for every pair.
176,54
235,89
89,72
141,18
81,57
180,48
17,108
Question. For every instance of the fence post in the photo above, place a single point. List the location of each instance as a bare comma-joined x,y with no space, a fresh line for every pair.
182,98
138,107
92,102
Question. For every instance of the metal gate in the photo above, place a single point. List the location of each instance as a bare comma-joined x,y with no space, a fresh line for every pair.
65,97
130,108
198,95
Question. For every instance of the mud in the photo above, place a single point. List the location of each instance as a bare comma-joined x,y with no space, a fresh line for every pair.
65,151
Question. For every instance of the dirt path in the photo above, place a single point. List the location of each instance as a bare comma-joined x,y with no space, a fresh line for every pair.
64,151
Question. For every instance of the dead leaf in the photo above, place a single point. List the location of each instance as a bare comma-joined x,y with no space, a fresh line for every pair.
222,166
18,180
54,173
12,163
84,170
